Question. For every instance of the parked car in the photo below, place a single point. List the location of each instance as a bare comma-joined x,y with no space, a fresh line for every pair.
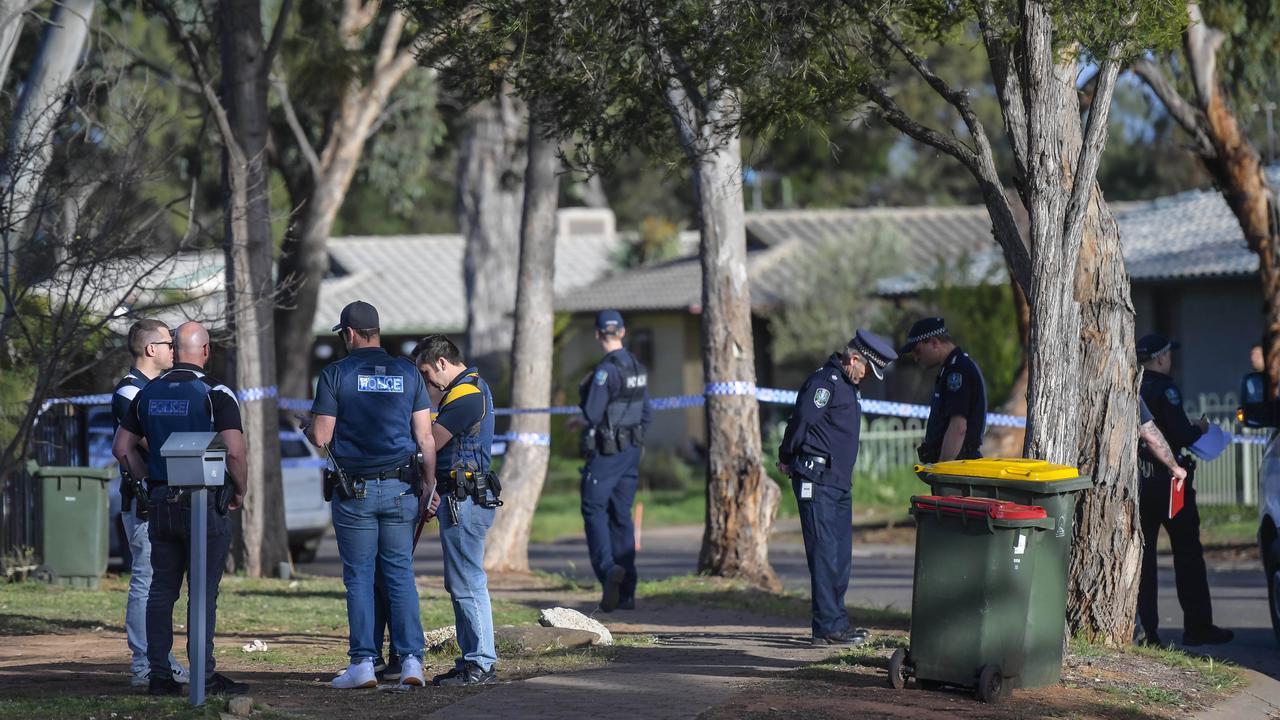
1258,411
306,514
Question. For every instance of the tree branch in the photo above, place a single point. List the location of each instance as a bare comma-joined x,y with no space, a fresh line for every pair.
1095,139
299,134
390,40
1188,117
894,115
277,36
1202,43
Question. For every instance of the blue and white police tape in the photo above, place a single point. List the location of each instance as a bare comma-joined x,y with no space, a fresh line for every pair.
255,394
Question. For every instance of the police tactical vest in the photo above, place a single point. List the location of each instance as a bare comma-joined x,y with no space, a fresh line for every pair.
166,406
627,409
376,393
468,447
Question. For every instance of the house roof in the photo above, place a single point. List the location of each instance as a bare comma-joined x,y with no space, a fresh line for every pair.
417,284
1192,235
782,244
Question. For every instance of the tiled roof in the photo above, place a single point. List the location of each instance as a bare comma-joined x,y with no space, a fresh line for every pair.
783,243
416,281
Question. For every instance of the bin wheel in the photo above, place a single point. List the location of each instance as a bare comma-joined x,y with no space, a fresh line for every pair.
44,574
898,669
990,684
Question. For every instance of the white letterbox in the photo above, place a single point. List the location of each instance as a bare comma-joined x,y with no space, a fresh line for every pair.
195,459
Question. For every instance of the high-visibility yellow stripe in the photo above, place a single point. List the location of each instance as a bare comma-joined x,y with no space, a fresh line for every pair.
459,391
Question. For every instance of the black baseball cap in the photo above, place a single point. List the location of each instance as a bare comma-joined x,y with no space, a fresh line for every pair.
358,315
1152,345
609,321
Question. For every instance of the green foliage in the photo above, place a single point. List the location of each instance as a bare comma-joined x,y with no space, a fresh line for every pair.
982,317
1250,55
659,240
834,297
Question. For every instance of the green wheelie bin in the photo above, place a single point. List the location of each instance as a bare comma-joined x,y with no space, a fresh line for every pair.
74,518
975,566
1029,482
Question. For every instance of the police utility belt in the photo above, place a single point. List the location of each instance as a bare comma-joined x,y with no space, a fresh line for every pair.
611,441
352,487
483,488
809,467
168,508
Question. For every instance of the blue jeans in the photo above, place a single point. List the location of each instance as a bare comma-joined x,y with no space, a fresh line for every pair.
135,613
608,492
826,521
170,556
375,535
462,539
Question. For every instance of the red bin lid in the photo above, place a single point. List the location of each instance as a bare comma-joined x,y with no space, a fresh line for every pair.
979,507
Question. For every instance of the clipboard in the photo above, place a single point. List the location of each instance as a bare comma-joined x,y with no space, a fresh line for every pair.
1177,496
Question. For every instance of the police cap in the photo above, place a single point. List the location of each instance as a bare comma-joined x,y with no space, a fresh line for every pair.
609,321
358,315
878,352
1153,345
923,330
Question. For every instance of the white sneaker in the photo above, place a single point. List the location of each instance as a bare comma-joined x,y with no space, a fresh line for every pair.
411,671
180,674
357,675
140,679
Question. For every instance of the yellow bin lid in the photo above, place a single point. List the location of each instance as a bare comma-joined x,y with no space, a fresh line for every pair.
1024,469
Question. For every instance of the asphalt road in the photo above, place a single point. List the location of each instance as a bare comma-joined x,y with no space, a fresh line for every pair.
882,578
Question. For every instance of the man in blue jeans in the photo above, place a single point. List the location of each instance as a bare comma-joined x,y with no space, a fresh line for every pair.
374,409
151,346
463,432
184,399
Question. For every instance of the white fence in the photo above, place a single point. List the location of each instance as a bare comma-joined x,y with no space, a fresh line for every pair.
889,445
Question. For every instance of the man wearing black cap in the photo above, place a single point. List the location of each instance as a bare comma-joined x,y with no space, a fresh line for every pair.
818,451
958,409
1164,402
615,404
375,410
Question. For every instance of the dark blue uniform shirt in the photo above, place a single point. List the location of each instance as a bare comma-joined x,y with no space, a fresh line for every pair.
959,390
183,399
1164,402
373,397
466,411
825,423
605,384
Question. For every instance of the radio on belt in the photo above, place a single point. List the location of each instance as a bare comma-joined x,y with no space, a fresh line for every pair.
195,459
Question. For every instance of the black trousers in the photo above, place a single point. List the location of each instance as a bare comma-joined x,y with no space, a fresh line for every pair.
1188,557
826,520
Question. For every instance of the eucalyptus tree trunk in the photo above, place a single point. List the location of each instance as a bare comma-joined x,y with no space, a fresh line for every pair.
741,497
10,29
490,196
261,542
525,467
40,107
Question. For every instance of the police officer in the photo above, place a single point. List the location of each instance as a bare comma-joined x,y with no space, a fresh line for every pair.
615,404
463,432
151,346
184,399
958,410
818,451
374,409
1164,401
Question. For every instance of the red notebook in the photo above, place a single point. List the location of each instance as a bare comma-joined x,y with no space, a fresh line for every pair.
1177,496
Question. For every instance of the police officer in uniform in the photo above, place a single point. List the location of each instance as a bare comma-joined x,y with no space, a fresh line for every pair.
184,399
958,410
1164,402
463,432
374,409
818,451
151,346
615,403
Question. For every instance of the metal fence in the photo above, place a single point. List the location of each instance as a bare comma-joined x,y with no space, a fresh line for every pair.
58,438
889,446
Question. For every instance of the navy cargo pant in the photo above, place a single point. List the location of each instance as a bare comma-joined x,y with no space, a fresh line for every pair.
826,520
1189,570
608,491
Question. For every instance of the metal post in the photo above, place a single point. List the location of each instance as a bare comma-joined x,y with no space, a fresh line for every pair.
196,574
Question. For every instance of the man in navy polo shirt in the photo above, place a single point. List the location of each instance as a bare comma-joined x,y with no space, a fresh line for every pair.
375,410
184,399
